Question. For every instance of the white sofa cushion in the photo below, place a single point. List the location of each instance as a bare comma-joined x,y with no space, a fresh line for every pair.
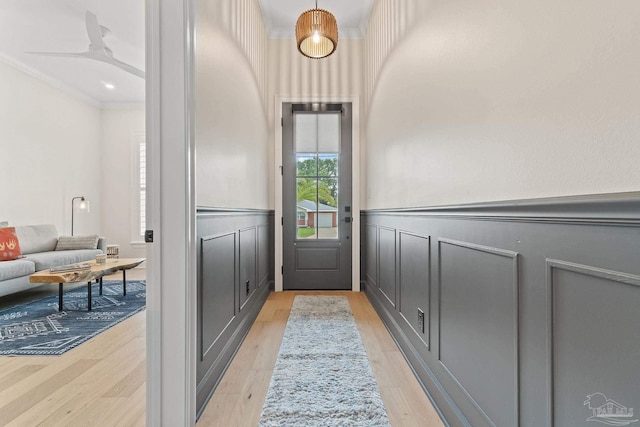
45,260
16,268
37,238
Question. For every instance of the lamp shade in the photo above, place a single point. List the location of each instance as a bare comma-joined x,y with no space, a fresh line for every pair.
317,33
84,206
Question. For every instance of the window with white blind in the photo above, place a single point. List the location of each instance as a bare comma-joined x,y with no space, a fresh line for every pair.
139,225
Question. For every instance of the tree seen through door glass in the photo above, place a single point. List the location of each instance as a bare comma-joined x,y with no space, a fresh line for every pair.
317,150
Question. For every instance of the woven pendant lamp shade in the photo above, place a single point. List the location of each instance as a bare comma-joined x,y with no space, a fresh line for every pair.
322,25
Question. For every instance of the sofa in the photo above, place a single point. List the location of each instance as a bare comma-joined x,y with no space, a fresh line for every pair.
41,249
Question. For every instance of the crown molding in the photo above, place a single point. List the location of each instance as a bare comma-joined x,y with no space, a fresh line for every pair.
135,105
352,32
123,105
266,18
364,22
50,81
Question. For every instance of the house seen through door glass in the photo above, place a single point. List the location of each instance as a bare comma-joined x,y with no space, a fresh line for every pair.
317,149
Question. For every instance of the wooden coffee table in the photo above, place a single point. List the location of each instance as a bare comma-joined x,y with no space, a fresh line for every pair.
96,272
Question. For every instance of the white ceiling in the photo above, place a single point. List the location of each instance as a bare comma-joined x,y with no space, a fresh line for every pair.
280,16
59,26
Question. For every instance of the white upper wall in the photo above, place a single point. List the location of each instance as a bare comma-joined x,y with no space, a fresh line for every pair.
499,100
296,77
231,127
120,131
50,152
389,21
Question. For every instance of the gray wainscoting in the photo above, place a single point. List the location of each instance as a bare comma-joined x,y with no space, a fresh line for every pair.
513,314
235,274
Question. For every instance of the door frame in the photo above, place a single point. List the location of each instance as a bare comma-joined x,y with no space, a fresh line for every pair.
171,257
355,181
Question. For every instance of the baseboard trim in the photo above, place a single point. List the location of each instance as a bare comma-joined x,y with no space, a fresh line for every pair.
226,356
442,402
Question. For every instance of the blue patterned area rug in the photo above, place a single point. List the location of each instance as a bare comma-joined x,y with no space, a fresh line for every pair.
38,328
322,376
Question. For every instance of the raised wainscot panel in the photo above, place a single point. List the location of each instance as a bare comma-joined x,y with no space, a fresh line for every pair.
217,288
594,343
318,259
236,247
478,339
415,286
371,251
247,282
387,263
263,255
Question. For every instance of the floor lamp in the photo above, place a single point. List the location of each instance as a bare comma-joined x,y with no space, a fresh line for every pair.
84,207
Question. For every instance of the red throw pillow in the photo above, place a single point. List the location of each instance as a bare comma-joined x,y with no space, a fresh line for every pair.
9,245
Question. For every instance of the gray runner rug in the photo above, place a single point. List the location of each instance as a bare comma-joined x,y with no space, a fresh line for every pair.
322,375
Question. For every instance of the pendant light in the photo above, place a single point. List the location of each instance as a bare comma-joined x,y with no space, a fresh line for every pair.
317,33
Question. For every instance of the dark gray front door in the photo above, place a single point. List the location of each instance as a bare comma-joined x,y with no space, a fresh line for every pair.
316,141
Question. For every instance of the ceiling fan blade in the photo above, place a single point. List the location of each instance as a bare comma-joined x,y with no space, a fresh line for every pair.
62,54
98,50
94,31
124,66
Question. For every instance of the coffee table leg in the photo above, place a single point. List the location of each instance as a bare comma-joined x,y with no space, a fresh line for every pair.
59,296
101,286
89,296
124,282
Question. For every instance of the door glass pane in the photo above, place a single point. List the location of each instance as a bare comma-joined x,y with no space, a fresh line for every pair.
327,208
305,128
306,209
328,165
306,165
317,147
328,133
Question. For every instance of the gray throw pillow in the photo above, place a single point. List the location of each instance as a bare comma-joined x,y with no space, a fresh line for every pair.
67,243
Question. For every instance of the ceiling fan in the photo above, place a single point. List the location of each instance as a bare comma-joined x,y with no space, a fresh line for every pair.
98,50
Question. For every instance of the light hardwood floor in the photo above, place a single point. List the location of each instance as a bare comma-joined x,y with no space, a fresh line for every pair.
102,382
99,383
239,397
